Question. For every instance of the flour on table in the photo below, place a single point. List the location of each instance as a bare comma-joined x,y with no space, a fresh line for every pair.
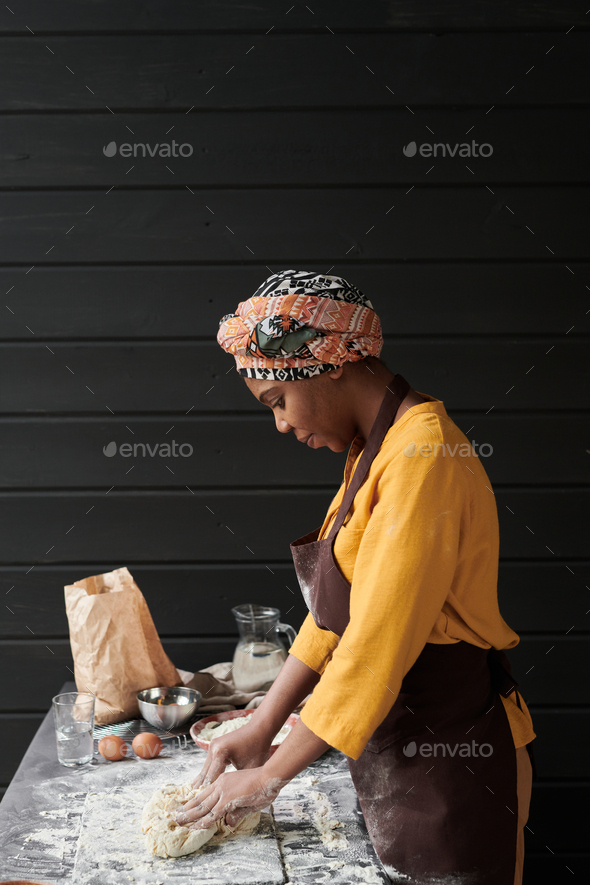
327,827
216,729
357,873
52,839
165,838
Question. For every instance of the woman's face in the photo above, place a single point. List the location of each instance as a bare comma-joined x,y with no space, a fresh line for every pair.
315,409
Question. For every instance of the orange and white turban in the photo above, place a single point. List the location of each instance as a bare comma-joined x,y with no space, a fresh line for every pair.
299,324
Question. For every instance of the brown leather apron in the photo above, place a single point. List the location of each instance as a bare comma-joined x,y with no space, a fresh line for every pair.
437,809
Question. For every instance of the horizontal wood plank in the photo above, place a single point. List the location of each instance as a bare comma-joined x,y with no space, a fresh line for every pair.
210,450
228,225
175,593
44,667
230,526
141,16
175,596
243,149
562,736
545,869
177,377
51,658
553,818
297,70
528,593
216,451
179,302
542,666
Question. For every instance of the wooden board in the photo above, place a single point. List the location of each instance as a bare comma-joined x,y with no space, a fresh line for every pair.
562,738
545,869
322,224
174,593
49,660
293,70
43,664
412,299
254,148
528,592
208,450
234,526
541,665
548,826
252,859
222,15
175,378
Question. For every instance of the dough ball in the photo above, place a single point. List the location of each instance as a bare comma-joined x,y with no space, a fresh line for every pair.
247,825
165,838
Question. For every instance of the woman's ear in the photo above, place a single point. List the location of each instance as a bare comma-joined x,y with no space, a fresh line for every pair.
334,374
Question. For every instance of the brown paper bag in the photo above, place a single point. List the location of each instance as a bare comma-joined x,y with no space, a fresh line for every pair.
116,649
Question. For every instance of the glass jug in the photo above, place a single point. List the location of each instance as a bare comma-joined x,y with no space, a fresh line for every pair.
259,654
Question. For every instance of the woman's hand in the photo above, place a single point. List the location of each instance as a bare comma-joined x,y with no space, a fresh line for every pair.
234,794
247,747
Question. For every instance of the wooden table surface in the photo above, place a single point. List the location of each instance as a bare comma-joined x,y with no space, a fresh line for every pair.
41,815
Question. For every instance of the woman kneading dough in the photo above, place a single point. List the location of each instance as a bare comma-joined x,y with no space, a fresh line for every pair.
402,648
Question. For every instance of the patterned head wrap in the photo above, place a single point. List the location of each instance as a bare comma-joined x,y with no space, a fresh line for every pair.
299,324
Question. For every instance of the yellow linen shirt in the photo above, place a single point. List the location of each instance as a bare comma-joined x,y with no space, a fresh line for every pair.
419,548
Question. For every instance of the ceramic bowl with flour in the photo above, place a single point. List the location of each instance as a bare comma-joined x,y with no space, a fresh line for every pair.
218,724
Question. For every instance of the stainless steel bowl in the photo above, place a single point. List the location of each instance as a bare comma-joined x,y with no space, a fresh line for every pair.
168,707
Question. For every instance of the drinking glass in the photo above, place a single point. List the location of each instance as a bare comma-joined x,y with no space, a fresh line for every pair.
73,714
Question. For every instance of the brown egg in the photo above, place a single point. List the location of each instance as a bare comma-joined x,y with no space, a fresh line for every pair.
112,747
147,745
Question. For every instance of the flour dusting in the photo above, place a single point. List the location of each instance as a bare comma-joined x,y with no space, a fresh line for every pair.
53,841
326,825
321,830
67,819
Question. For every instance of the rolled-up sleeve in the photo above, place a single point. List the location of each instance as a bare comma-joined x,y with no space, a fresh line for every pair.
408,554
314,646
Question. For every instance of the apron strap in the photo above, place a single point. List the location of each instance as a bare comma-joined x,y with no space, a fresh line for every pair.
385,417
504,682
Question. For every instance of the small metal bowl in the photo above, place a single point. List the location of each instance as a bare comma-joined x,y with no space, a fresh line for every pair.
168,707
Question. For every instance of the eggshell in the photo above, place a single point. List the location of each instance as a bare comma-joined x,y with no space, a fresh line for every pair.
112,747
147,745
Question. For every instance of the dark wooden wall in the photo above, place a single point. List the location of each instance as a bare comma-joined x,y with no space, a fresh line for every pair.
116,272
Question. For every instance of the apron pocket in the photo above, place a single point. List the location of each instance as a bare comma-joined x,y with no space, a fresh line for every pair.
379,742
378,746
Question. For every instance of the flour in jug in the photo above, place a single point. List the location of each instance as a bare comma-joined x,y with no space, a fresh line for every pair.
257,664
